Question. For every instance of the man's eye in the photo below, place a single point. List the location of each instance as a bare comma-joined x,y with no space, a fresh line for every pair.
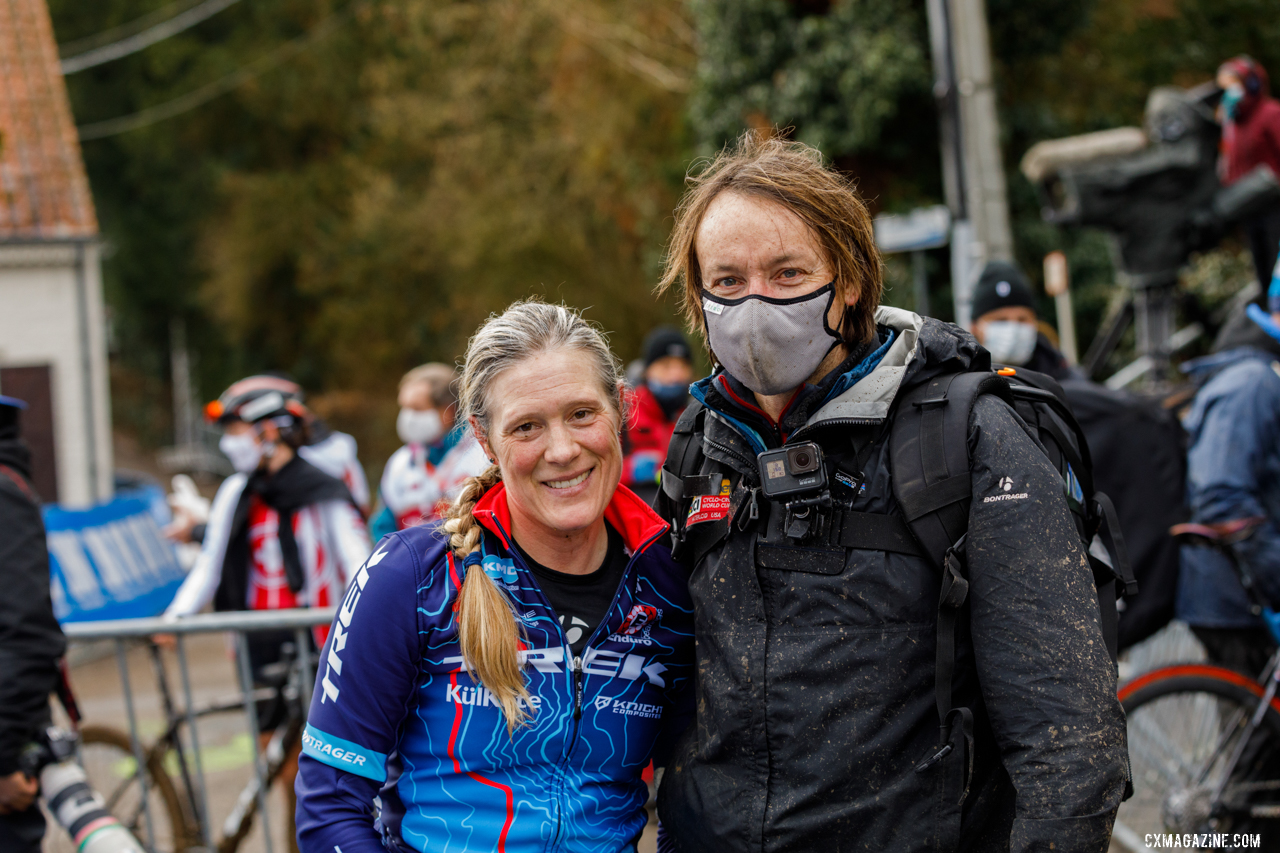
524,427
581,414
724,283
791,273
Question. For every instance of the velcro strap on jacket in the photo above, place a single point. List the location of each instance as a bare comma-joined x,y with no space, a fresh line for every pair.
872,531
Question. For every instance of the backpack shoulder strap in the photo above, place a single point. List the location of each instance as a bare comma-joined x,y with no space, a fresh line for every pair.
684,453
929,456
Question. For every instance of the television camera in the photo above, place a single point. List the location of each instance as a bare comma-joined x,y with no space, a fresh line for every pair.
1156,189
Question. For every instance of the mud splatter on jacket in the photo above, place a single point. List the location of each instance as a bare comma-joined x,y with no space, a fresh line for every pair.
395,717
815,691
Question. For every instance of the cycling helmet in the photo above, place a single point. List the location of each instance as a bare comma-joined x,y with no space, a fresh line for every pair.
259,398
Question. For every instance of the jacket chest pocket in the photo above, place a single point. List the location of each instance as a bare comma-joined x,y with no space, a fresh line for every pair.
870,590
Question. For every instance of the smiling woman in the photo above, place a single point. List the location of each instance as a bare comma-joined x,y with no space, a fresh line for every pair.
514,669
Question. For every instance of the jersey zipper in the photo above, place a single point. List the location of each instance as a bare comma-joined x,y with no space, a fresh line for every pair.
576,666
854,422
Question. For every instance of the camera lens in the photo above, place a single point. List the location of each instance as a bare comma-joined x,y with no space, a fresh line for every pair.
803,459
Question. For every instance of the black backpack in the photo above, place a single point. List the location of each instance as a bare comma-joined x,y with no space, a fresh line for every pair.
932,482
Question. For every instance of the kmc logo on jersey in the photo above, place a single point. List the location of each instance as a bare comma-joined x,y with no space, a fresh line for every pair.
501,570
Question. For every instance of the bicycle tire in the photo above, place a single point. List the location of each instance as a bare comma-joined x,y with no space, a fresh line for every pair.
112,772
1183,722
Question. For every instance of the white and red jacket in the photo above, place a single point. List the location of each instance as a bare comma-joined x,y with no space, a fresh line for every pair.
416,492
332,544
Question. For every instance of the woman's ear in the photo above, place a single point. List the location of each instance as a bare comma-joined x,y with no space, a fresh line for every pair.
482,437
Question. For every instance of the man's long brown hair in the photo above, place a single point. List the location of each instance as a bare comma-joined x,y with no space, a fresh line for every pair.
794,176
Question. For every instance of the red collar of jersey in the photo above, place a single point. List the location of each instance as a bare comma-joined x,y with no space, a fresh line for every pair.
634,520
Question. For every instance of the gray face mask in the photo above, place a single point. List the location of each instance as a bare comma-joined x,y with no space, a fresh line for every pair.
771,345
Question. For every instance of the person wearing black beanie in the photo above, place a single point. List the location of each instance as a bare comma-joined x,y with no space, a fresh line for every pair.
1005,322
655,405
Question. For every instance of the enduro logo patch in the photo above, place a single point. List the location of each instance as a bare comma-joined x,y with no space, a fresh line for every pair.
707,508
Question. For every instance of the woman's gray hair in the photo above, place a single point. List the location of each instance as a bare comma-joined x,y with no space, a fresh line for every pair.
526,329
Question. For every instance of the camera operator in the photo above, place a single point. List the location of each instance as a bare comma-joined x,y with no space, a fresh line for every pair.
31,643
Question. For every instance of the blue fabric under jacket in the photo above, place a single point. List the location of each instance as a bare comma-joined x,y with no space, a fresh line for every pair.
1233,471
404,751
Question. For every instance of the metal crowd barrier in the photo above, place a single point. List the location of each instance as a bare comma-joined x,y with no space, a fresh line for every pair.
239,623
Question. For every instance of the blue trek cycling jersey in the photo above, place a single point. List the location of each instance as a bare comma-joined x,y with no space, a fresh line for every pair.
405,751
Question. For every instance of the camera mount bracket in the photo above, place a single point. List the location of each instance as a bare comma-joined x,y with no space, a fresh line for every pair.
804,517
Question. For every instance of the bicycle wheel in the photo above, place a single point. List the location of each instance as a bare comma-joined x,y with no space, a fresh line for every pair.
109,764
1185,723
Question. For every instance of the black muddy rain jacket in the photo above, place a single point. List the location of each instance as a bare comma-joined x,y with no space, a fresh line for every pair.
815,691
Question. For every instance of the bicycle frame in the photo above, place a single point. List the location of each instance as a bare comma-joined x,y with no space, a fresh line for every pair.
1223,539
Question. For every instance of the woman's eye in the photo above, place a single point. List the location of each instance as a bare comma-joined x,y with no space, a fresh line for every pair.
724,283
791,273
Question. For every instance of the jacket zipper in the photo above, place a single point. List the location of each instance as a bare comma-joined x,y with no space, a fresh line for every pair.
834,422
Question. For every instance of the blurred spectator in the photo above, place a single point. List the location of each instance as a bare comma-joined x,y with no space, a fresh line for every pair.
1005,322
1250,137
439,454
281,533
1232,473
31,642
655,405
1136,446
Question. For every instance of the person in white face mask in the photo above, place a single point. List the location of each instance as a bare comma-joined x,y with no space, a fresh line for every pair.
281,532
422,477
1007,325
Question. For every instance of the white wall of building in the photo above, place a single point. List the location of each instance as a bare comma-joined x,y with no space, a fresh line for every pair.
51,312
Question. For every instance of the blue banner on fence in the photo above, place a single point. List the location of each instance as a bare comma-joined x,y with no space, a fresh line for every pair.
111,561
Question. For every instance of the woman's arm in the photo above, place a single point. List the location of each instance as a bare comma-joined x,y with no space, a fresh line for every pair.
202,582
364,689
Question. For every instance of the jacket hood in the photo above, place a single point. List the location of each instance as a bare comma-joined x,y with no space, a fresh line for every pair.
922,348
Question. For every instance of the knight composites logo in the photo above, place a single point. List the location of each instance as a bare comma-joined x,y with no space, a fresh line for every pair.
1006,492
635,628
603,702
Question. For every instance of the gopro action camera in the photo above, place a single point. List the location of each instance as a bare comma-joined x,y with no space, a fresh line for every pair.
793,470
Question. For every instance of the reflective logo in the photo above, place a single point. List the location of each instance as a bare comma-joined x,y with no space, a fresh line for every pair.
1006,492
603,702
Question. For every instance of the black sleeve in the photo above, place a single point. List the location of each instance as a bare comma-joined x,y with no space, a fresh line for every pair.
30,640
1045,674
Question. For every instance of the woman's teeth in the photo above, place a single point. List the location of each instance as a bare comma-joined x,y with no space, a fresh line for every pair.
569,484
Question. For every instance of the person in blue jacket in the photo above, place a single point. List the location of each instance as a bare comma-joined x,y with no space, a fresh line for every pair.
500,681
1233,473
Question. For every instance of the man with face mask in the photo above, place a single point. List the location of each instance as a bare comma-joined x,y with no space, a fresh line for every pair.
653,408
836,709
439,454
1005,323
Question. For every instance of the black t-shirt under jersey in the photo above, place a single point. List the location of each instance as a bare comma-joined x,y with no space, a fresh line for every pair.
581,601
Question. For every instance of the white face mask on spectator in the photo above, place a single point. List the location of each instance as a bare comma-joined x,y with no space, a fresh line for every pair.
243,450
419,427
1009,341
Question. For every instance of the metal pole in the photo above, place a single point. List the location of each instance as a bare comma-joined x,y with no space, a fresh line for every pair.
305,681
203,814
141,764
251,714
920,283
